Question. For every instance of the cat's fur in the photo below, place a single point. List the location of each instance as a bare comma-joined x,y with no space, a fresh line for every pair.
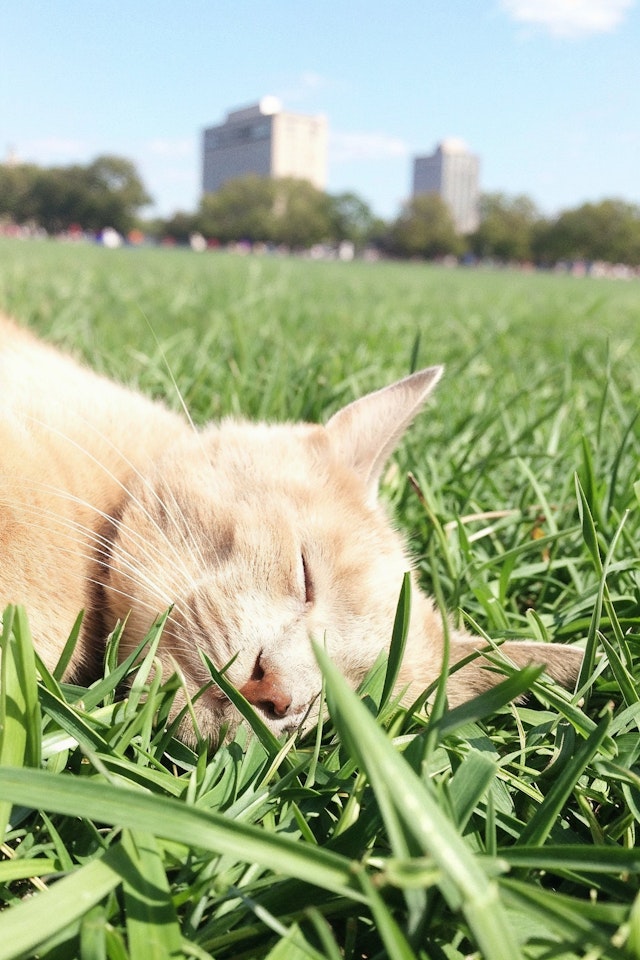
261,537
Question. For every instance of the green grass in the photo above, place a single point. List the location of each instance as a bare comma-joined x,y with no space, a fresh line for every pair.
490,830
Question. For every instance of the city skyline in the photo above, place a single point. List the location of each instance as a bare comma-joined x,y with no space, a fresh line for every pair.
546,93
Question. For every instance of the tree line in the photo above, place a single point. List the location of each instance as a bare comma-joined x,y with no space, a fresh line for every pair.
108,192
287,212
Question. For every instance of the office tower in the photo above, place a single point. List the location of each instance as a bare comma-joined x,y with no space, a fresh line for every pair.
453,173
265,140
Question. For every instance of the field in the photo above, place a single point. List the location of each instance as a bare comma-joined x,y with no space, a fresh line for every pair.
492,830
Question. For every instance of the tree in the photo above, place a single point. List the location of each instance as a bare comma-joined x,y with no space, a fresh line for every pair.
60,199
608,230
425,229
507,227
240,210
300,214
351,219
106,193
260,209
115,193
16,192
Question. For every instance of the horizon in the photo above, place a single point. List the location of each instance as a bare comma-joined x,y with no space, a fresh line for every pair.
547,94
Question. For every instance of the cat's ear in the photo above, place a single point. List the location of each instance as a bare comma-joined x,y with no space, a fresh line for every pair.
366,432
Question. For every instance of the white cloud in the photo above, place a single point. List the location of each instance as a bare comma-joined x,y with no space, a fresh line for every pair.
345,147
569,18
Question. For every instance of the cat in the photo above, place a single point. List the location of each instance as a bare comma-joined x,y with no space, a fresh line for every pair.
258,537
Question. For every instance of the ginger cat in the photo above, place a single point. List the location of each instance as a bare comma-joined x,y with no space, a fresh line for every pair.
259,536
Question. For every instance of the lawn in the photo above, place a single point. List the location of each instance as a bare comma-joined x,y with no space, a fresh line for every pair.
492,830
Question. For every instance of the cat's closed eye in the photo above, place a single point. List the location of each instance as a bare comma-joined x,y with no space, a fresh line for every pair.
309,592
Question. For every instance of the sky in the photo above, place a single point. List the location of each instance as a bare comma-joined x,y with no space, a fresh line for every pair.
546,92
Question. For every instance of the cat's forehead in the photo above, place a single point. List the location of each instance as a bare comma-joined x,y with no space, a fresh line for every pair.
256,472
262,450
257,433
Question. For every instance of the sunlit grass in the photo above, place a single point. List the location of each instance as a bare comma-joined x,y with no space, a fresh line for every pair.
491,830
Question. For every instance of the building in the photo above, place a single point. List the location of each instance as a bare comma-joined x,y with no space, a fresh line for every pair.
453,173
265,140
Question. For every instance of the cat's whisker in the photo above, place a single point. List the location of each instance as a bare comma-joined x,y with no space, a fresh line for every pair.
183,651
101,553
174,382
194,428
155,611
196,432
165,599
94,535
112,476
190,541
193,545
72,551
102,550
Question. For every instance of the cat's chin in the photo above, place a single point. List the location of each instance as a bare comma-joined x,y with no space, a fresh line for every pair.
221,725
299,723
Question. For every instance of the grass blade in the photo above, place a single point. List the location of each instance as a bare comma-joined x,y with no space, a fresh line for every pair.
395,942
408,806
591,858
168,818
20,724
538,828
35,920
470,782
398,641
152,925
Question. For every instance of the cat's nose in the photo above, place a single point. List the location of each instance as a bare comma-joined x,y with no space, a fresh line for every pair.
266,691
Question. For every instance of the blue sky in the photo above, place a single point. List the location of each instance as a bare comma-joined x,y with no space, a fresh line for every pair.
547,92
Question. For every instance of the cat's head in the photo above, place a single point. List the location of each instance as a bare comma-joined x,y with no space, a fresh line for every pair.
264,537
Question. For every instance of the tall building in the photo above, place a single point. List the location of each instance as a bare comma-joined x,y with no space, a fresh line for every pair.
453,173
264,140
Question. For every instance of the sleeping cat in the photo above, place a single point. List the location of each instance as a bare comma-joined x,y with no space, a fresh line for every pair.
259,537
